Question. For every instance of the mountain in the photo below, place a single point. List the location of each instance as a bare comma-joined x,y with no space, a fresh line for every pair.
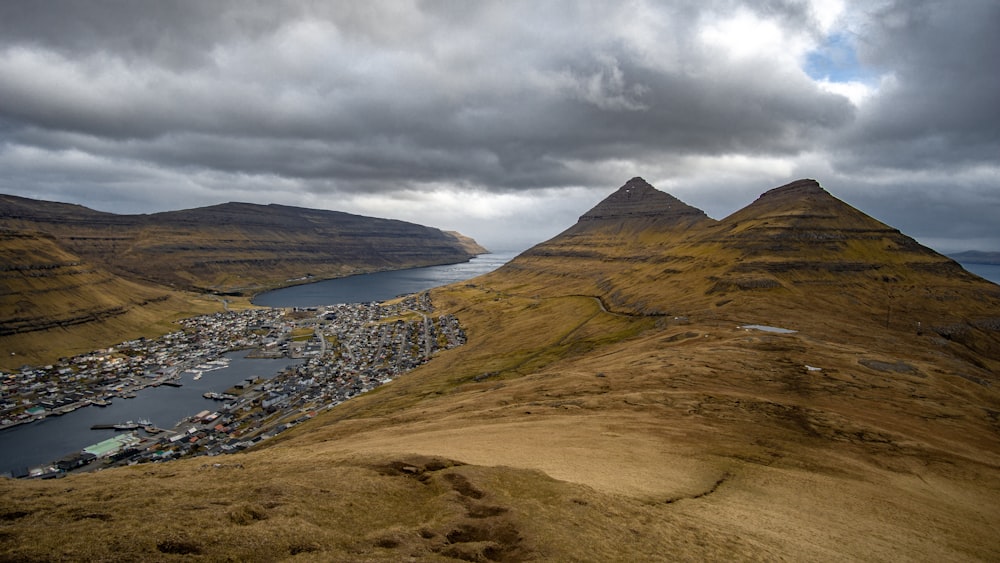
797,243
236,248
641,387
638,205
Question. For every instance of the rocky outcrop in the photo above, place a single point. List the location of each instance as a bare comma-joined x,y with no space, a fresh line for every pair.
468,243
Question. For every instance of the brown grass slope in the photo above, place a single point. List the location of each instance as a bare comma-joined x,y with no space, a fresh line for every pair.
55,303
608,409
237,247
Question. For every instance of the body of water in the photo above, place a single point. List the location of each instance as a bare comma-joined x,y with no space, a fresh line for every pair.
38,443
987,271
381,285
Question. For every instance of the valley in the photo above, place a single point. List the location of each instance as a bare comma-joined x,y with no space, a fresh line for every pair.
621,395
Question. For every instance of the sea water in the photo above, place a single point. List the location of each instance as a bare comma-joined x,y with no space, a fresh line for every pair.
44,441
380,286
987,271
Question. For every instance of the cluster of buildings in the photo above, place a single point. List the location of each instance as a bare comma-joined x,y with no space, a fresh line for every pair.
34,392
351,349
346,350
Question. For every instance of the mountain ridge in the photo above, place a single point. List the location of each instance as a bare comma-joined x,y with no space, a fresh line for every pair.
236,247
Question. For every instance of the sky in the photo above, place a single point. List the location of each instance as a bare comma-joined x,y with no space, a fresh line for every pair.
506,120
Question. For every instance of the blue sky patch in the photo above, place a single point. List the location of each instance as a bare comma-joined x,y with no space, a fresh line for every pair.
835,60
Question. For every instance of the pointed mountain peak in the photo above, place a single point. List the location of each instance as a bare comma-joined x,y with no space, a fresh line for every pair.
799,189
639,200
803,199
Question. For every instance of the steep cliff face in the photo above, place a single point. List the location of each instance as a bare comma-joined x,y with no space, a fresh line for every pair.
236,247
54,302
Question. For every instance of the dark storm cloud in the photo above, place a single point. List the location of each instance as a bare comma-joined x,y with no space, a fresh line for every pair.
174,34
319,102
923,153
522,101
940,105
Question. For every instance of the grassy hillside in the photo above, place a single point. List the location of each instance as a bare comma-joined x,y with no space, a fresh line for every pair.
57,304
610,405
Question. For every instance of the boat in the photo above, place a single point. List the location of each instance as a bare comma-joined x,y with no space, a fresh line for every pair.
129,425
197,376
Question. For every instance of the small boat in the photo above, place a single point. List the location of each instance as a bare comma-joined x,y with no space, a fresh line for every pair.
197,376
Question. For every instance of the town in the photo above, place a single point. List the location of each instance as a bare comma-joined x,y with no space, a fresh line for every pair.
346,350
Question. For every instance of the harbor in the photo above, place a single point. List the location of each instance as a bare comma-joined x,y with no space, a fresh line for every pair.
43,441
168,378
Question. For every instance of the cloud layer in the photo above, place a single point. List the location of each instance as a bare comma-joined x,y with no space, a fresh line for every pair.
506,120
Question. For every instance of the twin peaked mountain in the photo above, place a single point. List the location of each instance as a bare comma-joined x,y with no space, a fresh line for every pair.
796,252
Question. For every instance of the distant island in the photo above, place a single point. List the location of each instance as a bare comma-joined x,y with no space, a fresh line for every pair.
977,257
